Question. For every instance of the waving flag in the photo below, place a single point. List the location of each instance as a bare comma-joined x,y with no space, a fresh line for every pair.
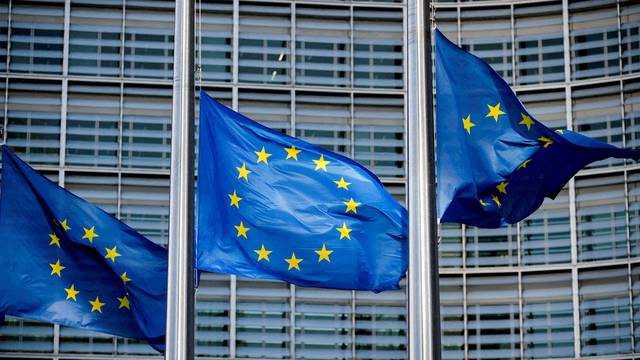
68,262
495,162
276,207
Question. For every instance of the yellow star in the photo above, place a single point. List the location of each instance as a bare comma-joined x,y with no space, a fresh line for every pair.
323,254
496,200
560,131
351,206
235,199
54,240
71,293
263,156
292,152
467,124
494,112
502,187
242,231
57,268
64,225
89,234
112,254
263,253
546,141
321,163
124,277
524,164
483,203
96,305
124,302
344,231
243,172
293,262
526,120
342,184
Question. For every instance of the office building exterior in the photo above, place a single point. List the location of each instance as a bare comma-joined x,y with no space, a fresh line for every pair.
85,94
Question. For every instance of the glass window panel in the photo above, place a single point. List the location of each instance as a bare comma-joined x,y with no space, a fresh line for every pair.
450,248
378,48
381,324
4,33
635,288
597,114
270,108
491,247
548,107
37,36
216,26
82,341
493,317
379,134
212,320
539,43
263,309
148,39
593,26
630,35
546,234
324,119
145,206
633,186
33,118
632,113
604,311
323,46
265,39
452,317
548,315
22,335
398,191
146,127
95,40
93,118
601,218
323,323
447,20
486,32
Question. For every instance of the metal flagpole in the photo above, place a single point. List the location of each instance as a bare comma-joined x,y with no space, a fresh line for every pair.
424,304
180,297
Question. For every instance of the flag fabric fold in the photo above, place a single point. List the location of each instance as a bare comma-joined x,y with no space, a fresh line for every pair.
495,162
68,262
276,207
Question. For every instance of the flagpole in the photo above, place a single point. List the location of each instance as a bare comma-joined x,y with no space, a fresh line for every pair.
180,294
424,304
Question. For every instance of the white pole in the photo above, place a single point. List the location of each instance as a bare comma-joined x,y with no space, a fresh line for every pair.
424,311
180,297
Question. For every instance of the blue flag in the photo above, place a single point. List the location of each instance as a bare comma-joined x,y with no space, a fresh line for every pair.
276,207
68,262
495,162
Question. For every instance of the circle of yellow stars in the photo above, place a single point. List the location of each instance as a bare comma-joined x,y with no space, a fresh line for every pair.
495,112
57,267
321,164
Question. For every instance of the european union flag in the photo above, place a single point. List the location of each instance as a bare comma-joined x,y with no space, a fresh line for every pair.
276,207
495,162
65,261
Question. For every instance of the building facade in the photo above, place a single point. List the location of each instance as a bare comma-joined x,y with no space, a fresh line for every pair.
85,94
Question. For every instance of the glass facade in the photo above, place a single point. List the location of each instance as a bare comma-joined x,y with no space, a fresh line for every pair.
85,96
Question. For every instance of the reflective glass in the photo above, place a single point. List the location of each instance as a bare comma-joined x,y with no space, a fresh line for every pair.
632,113
491,247
450,249
144,205
323,52
215,24
633,197
548,315
605,319
539,43
22,335
325,119
212,321
630,35
452,317
600,203
4,33
95,40
593,26
265,40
